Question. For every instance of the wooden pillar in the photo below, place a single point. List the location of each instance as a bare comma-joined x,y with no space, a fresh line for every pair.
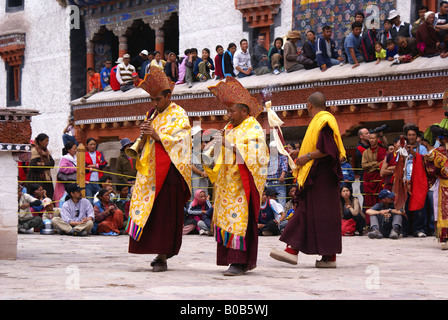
81,171
160,41
122,46
90,60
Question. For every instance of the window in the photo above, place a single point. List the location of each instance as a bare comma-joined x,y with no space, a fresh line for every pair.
13,85
14,5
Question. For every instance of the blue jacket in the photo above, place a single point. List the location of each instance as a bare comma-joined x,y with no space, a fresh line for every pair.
105,77
321,52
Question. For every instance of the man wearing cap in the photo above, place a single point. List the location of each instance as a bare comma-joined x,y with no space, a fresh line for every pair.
124,73
163,182
125,166
385,220
290,52
399,28
138,61
77,214
239,176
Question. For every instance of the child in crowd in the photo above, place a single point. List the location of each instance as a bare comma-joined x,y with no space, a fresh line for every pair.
392,50
380,52
204,66
218,63
195,212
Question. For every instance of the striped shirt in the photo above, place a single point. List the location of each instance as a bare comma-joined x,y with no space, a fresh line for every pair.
124,73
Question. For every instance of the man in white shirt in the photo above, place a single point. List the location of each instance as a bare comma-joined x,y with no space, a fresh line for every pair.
124,73
241,61
27,222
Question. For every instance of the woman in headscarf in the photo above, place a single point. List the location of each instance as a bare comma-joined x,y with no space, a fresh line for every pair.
427,39
196,211
41,157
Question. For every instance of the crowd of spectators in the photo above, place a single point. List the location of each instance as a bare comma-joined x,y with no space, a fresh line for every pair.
397,42
105,208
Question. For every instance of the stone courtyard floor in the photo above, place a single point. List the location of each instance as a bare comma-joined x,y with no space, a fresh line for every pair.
100,268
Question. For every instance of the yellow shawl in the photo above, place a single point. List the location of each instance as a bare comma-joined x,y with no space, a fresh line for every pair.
309,143
231,207
173,128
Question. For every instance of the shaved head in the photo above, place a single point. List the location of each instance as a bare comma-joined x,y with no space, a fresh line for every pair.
318,100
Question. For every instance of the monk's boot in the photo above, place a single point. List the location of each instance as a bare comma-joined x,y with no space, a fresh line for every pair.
288,255
326,262
235,269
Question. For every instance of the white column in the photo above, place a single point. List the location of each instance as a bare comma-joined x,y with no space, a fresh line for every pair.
8,207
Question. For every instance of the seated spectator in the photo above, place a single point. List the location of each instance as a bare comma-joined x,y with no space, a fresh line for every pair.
37,191
172,67
351,209
139,60
441,23
49,211
268,223
105,182
94,84
391,51
399,28
114,84
407,49
385,34
279,208
427,39
146,65
122,200
204,66
108,217
136,79
385,220
421,14
380,52
77,214
227,61
189,66
352,45
242,61
275,56
105,75
69,132
219,74
204,225
444,53
309,49
182,67
27,222
260,60
348,174
369,38
290,52
326,53
158,61
124,74
292,194
196,209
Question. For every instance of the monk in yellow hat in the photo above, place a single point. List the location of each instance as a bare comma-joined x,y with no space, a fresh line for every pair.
163,182
239,177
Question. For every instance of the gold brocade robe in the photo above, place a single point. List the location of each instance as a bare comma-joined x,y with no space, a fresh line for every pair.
174,130
231,206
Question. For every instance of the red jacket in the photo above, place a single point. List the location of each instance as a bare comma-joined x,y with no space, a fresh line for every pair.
101,163
113,79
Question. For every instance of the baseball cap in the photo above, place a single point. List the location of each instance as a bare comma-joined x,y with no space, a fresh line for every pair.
386,194
46,202
73,187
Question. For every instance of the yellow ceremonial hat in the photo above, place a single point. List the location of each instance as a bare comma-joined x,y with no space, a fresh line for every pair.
232,92
156,81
